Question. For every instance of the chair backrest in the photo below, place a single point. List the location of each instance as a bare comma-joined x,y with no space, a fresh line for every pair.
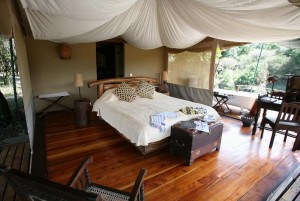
81,179
138,188
29,187
289,112
293,89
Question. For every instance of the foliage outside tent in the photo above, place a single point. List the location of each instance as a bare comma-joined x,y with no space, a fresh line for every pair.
12,122
5,60
237,66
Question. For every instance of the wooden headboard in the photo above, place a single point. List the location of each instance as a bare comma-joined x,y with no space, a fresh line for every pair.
106,84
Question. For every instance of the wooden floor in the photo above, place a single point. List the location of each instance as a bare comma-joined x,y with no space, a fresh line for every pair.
16,156
244,168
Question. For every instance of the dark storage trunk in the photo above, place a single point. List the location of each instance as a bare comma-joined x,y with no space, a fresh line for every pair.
191,144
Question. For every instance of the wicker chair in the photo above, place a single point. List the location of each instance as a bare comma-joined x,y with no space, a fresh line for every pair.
81,181
287,119
29,187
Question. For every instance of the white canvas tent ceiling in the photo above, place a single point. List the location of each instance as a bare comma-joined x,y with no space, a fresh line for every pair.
149,24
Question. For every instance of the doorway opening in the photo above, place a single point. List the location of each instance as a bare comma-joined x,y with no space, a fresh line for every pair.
110,60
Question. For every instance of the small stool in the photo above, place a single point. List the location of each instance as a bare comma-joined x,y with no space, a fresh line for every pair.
82,111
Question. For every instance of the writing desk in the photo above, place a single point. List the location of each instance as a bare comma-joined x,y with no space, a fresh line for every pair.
54,100
266,103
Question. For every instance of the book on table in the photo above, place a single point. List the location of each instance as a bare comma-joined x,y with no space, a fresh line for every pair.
202,126
187,124
195,124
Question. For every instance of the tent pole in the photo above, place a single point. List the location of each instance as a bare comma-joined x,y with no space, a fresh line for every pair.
212,64
13,74
255,73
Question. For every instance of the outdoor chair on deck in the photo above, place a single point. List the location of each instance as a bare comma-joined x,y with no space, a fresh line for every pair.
29,187
81,181
287,119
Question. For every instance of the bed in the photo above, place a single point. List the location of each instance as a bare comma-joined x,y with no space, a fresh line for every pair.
132,119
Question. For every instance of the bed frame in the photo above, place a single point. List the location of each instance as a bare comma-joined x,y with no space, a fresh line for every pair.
105,84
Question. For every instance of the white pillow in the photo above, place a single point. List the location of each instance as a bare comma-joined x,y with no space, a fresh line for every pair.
108,95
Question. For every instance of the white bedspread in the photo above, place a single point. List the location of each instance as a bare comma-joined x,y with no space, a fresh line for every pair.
132,119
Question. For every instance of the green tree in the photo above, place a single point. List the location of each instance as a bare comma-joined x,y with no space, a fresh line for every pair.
5,62
275,60
243,50
292,66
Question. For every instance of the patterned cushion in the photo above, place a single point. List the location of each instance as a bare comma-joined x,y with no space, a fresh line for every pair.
125,92
145,90
193,110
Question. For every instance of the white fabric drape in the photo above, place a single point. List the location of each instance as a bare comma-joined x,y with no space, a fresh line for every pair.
149,24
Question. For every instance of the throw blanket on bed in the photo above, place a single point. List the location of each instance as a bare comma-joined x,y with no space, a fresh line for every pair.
193,110
159,120
132,119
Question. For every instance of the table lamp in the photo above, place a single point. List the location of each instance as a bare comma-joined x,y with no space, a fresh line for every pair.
164,86
78,82
272,79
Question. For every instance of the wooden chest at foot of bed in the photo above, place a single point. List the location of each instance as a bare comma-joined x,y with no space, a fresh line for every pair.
191,144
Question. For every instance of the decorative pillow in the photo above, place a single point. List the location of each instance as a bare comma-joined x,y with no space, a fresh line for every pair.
145,90
125,92
108,95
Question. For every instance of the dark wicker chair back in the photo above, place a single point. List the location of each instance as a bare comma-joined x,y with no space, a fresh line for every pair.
81,180
29,187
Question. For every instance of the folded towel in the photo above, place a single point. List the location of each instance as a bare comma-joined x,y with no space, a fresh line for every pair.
160,120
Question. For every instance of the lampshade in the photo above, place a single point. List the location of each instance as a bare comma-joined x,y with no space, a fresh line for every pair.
78,80
272,79
165,76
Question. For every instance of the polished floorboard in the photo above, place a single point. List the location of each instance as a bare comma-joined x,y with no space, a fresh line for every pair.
243,169
16,156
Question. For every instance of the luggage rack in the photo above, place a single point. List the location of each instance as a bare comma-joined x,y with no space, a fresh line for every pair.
49,98
222,99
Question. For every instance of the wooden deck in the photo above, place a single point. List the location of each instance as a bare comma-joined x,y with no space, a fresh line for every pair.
16,156
244,168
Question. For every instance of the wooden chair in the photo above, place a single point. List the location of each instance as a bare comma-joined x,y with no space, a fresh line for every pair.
287,119
293,89
29,187
81,180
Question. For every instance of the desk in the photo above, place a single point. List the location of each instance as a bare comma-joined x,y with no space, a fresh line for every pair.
221,100
265,103
57,98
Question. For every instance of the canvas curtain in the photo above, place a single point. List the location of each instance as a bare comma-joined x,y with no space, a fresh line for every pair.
149,24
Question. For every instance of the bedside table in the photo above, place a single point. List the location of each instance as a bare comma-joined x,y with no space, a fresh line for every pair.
82,109
163,89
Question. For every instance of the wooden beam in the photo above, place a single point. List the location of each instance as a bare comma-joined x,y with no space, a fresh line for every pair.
212,64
